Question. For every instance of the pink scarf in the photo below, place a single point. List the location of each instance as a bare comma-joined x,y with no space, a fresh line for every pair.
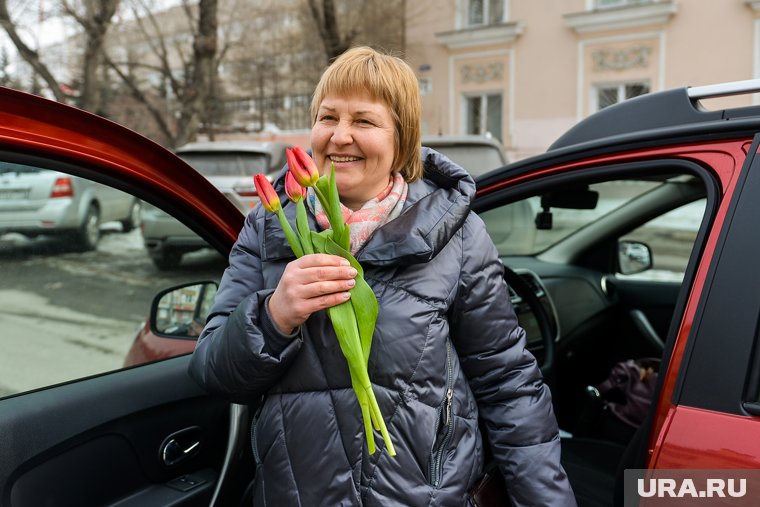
380,210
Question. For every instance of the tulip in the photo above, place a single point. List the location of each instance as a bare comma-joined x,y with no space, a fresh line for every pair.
267,195
302,166
271,202
295,191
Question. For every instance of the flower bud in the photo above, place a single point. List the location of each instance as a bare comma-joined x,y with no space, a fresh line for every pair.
269,198
302,166
295,191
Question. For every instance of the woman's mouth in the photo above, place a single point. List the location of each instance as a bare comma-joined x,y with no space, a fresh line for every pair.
343,158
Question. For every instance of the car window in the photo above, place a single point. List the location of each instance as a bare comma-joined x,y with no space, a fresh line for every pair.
670,238
514,227
223,163
78,282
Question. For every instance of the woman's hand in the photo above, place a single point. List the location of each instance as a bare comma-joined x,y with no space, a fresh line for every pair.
308,284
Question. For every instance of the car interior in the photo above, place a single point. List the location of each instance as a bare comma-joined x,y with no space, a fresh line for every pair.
605,256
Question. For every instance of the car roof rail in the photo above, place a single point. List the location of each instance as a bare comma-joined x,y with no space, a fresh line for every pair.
669,108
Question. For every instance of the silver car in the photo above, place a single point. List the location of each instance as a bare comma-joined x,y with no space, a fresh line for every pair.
37,201
477,154
230,166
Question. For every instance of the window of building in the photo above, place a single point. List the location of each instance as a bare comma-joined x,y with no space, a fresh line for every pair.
483,114
485,12
606,95
605,4
426,85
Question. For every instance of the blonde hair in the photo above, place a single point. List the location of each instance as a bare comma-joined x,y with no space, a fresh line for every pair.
386,78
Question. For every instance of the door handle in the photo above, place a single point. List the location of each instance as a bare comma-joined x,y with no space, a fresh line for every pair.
180,446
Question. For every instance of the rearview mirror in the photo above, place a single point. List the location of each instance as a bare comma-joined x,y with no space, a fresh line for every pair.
571,198
181,311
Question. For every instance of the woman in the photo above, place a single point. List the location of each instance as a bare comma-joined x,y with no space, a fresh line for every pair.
447,348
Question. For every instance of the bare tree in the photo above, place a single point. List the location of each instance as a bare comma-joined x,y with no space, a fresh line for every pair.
325,17
94,16
187,72
30,55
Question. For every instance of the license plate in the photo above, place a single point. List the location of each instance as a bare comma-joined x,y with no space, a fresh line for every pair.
13,194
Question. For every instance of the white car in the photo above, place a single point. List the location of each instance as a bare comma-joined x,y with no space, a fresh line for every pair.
36,201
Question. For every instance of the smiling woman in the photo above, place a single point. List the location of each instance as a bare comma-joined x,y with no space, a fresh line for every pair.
447,353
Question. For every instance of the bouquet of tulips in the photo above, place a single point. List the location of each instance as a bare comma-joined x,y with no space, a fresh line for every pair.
354,320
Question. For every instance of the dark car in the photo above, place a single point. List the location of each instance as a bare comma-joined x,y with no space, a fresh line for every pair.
637,256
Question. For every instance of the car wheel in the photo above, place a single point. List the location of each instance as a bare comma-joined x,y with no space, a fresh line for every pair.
134,219
167,259
88,235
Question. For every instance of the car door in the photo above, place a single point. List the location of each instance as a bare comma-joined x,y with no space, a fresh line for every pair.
76,427
709,410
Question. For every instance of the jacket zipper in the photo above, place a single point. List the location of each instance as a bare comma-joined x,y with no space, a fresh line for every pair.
436,458
254,446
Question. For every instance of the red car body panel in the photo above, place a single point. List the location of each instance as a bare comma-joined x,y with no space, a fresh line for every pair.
149,347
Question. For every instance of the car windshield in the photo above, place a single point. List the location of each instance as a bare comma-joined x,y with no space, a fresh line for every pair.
216,163
513,227
477,159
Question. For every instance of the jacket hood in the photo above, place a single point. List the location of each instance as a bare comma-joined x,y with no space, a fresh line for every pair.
436,207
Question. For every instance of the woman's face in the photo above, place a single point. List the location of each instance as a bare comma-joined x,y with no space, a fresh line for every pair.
355,133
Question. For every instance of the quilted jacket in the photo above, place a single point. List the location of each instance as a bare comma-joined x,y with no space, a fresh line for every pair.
447,350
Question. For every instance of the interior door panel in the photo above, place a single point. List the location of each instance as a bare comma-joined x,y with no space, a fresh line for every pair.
65,445
656,300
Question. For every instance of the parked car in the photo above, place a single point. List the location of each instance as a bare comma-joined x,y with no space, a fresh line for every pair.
36,201
230,166
477,154
643,226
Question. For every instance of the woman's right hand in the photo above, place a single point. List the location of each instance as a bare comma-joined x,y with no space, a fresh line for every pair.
308,284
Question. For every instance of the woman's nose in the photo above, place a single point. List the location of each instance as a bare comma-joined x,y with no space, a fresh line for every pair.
341,134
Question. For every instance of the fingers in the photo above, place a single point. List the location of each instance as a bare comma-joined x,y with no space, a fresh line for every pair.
309,284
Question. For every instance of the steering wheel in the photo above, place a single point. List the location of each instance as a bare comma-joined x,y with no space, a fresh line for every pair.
543,320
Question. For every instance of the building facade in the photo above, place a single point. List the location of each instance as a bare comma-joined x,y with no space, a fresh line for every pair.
524,71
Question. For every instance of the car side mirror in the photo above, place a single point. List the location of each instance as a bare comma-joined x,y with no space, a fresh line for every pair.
634,257
181,311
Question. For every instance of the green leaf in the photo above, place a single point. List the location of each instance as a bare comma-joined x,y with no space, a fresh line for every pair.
302,226
327,193
362,300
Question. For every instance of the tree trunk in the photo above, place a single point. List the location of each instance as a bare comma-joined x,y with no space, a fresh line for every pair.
198,86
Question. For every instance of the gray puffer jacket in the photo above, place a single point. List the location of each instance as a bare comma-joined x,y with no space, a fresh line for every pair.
445,325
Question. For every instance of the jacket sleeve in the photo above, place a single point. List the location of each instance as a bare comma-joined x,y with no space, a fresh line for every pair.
240,353
513,401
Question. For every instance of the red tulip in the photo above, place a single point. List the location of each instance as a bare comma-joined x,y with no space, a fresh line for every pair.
269,198
295,191
302,166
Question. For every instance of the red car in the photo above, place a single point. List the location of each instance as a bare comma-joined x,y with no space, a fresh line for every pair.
628,247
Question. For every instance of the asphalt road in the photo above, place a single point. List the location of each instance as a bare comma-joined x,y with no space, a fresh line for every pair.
65,314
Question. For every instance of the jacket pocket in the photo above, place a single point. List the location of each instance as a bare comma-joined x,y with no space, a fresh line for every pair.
444,427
